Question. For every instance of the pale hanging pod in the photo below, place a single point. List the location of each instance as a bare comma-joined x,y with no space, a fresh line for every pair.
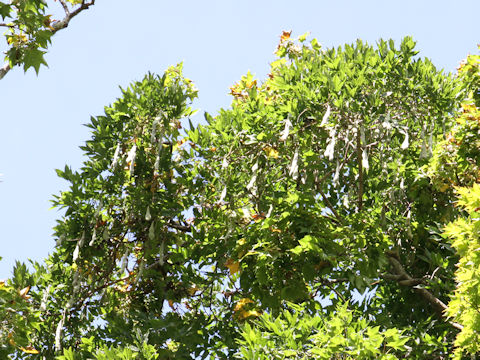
405,142
387,122
286,131
94,237
124,262
336,177
330,149
148,216
132,154
224,162
253,180
269,213
365,163
303,178
76,252
408,224
423,151
156,166
151,231
43,304
116,157
154,129
326,116
58,333
294,166
246,214
223,194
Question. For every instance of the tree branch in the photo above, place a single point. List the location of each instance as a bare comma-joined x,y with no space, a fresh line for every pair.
404,279
62,24
65,6
56,26
4,70
184,228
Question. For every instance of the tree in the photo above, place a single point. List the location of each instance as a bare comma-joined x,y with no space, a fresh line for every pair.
455,168
226,241
30,28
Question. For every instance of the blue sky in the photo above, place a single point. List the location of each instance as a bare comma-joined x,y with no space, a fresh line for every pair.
118,41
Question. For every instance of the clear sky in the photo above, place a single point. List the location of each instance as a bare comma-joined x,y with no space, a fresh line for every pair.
118,41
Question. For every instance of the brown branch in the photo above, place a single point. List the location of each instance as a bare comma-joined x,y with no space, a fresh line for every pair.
404,279
184,228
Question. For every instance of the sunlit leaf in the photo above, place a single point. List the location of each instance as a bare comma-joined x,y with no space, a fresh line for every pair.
29,350
233,266
271,152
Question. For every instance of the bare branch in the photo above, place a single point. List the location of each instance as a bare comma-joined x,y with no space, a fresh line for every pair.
65,6
62,24
4,70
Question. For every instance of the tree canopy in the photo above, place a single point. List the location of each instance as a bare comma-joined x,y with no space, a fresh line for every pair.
315,218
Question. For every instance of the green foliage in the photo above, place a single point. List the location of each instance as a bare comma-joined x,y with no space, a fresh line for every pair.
465,302
296,334
325,180
139,351
30,28
316,174
459,161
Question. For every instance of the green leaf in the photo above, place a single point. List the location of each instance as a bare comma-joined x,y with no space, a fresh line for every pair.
5,10
34,58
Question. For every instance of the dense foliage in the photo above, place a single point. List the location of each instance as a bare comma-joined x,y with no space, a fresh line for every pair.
254,234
